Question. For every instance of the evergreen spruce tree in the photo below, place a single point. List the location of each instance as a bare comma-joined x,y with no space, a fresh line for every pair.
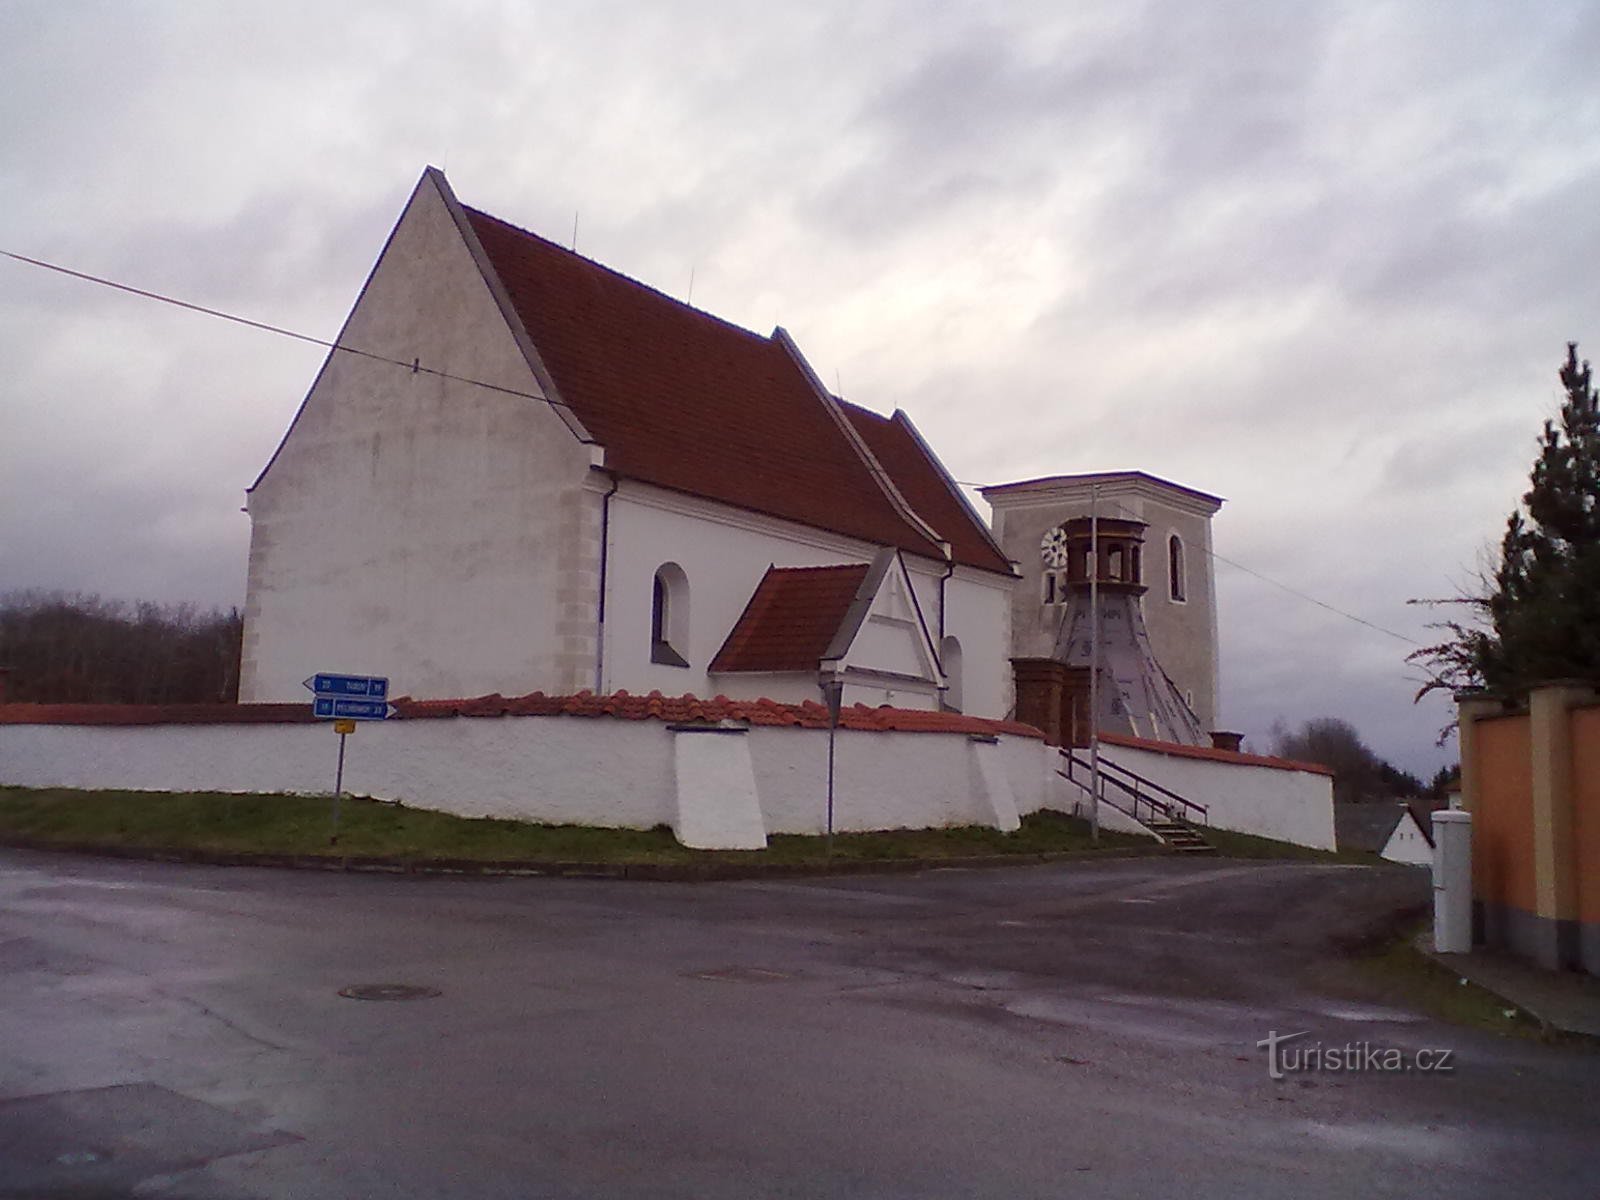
1540,618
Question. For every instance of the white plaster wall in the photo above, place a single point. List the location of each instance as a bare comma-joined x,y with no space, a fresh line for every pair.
724,553
1030,765
560,770
431,531
555,770
887,643
1290,806
881,780
978,615
798,688
1074,798
716,807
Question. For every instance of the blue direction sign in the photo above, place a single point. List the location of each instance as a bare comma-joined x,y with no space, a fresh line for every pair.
372,687
331,707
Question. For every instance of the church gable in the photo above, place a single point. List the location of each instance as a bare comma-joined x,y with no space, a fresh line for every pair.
860,621
425,509
426,333
892,639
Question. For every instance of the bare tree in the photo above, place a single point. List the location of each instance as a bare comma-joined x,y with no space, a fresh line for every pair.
72,648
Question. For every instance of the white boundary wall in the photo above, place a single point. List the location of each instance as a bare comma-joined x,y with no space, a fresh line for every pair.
1271,802
563,770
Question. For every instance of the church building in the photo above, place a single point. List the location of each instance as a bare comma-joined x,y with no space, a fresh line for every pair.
522,471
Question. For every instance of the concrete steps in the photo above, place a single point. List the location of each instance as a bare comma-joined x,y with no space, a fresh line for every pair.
1182,837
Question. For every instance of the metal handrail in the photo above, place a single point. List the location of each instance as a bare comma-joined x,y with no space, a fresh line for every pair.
1134,790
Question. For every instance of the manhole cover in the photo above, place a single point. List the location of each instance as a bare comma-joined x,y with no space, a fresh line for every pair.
388,991
740,975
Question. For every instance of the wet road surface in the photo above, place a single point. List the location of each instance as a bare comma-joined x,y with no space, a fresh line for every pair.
1072,1030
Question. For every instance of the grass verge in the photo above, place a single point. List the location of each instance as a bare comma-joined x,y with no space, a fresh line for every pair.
216,823
1401,973
1244,845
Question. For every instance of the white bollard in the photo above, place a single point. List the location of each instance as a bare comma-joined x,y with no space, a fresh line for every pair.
1452,881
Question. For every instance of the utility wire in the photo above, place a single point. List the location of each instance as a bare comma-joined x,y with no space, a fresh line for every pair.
416,368
1250,571
1285,587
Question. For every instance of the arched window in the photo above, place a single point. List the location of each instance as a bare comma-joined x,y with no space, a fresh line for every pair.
950,654
1175,580
669,616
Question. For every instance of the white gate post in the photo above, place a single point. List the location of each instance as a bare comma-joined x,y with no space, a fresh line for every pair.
1452,881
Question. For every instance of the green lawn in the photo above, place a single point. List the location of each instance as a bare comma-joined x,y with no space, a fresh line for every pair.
1403,974
300,825
1244,845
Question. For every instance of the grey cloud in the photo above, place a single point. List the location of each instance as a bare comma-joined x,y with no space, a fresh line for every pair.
1320,260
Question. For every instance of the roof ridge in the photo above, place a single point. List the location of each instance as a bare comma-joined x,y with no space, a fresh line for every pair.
764,338
831,405
829,567
951,484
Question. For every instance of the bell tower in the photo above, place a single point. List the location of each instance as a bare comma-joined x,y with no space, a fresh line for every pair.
1103,571
1156,591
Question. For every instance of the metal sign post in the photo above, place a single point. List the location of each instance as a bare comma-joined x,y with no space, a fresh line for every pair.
833,693
344,729
344,700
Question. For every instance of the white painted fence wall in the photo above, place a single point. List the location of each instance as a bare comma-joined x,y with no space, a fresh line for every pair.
566,770
1267,801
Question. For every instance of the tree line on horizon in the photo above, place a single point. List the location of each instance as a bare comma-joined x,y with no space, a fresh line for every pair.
1359,772
77,648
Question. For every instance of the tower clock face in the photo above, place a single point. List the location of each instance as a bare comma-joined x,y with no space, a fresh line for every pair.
1053,549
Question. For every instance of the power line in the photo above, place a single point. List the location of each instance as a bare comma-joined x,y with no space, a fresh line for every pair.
414,366
1251,571
1313,600
1285,587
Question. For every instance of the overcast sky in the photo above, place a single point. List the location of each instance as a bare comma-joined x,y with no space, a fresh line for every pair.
1321,260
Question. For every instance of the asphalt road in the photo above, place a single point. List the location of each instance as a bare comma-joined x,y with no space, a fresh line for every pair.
1073,1030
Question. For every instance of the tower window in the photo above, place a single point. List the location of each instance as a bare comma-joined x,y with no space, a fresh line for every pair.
1175,579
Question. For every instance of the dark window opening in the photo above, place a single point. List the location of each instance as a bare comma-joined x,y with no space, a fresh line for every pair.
662,603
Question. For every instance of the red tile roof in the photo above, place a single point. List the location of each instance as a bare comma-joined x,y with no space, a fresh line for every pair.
620,706
683,400
791,619
1213,754
926,485
688,709
154,714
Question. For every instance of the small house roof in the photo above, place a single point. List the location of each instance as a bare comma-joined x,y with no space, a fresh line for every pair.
791,620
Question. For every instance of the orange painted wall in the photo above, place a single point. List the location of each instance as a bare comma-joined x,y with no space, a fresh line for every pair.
1502,819
1586,809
